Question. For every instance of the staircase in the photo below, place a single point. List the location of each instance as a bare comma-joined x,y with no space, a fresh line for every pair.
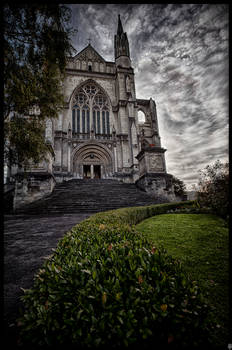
89,196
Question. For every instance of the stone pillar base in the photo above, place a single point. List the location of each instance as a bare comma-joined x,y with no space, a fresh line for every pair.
31,187
157,185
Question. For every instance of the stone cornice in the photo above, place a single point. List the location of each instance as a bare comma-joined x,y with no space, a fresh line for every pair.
154,175
125,70
123,137
152,149
122,103
91,74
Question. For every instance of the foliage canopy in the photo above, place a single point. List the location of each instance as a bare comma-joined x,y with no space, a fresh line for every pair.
213,188
179,187
36,46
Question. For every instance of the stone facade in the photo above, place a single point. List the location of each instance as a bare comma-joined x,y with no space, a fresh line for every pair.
99,134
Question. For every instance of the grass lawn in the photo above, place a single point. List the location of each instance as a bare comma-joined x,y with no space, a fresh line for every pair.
201,243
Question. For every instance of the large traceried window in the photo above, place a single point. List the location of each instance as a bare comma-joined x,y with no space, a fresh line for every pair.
90,110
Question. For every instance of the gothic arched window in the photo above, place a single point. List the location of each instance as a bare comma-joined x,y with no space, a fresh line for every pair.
141,117
90,109
90,66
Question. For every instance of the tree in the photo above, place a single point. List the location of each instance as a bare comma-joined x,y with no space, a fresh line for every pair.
179,187
213,188
36,46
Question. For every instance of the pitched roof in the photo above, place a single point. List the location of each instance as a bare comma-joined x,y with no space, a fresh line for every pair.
89,53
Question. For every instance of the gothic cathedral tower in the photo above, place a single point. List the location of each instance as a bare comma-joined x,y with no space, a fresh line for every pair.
126,98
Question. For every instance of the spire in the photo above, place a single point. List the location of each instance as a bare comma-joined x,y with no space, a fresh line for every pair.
120,29
121,45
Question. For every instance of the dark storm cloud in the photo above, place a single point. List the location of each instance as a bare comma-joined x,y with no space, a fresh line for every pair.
179,53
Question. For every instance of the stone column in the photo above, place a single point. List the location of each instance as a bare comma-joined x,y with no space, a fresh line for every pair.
69,156
115,159
92,171
58,150
102,177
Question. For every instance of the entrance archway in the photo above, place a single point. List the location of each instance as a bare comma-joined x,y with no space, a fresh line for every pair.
92,161
97,171
87,171
91,171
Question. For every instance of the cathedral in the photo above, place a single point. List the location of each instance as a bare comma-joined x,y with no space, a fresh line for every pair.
104,130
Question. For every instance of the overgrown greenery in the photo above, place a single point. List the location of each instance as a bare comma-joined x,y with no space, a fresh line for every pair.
213,188
107,285
179,187
201,243
36,45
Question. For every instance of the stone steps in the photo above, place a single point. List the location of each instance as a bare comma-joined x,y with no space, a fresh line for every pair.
78,196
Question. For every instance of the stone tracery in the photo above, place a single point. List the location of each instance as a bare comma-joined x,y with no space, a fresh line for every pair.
90,109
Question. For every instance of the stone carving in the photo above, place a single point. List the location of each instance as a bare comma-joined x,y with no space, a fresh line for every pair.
90,54
48,131
128,84
142,166
156,163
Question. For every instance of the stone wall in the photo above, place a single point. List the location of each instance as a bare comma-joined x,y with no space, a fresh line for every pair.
158,185
32,187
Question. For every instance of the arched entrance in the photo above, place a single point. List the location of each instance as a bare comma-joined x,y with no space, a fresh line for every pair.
92,171
92,161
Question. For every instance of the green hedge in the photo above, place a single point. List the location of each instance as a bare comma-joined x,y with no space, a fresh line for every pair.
106,285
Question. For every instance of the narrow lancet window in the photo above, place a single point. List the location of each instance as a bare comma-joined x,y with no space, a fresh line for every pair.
94,120
88,127
107,123
98,122
73,121
83,121
78,121
103,123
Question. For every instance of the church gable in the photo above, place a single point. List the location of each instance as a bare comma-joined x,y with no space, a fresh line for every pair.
89,54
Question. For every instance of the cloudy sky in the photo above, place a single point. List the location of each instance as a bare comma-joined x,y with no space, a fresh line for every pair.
179,53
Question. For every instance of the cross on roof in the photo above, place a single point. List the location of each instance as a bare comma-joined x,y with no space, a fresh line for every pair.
89,40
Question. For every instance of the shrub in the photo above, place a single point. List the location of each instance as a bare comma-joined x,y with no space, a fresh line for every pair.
106,285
